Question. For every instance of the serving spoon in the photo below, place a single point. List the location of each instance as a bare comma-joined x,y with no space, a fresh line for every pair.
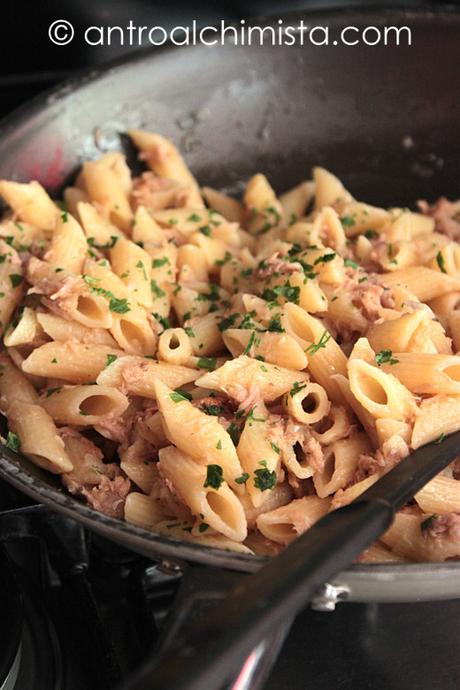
278,591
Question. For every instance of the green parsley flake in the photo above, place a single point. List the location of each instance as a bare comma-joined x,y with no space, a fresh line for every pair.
264,479
162,320
219,445
274,325
51,391
16,279
314,347
203,526
228,322
347,221
441,262
208,363
325,259
426,524
177,397
110,360
251,341
296,388
385,357
243,479
205,230
275,447
194,218
350,263
12,442
119,306
65,217
214,477
157,263
140,264
157,291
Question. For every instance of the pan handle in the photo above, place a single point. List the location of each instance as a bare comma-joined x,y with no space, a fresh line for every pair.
208,653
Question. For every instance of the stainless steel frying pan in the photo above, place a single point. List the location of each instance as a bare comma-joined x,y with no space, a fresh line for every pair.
383,118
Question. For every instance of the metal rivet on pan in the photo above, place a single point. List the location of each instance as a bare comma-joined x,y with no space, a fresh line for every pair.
328,596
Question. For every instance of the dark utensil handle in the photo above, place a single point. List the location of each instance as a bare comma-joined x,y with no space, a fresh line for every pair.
254,608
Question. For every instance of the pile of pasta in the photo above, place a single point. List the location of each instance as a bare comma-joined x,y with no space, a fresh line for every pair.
230,371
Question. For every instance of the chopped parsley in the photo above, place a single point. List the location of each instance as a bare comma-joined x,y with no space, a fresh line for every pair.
214,477
225,260
228,322
290,292
385,357
15,279
264,479
65,217
350,263
254,419
440,439
157,263
110,360
177,397
157,291
426,524
194,218
296,388
12,441
347,221
219,445
234,432
243,479
274,325
54,361
208,363
371,234
203,526
251,342
140,264
161,320
205,230
189,331
213,410
275,447
322,342
326,258
119,306
50,391
108,245
441,262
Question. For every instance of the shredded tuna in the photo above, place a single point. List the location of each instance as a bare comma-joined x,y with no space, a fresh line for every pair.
286,433
383,460
158,192
371,299
446,215
103,485
109,496
442,526
276,264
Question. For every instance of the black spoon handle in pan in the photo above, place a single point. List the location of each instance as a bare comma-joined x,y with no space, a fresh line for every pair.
280,589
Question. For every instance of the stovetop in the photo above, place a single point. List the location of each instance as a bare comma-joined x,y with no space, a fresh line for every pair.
80,613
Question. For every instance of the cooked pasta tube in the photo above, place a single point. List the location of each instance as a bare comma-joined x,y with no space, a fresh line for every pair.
142,510
325,358
214,502
137,375
45,448
379,392
308,404
61,329
440,495
238,377
341,460
84,405
423,282
436,417
441,373
174,346
68,246
198,434
230,208
259,457
284,524
328,189
296,201
30,203
276,348
133,332
71,361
